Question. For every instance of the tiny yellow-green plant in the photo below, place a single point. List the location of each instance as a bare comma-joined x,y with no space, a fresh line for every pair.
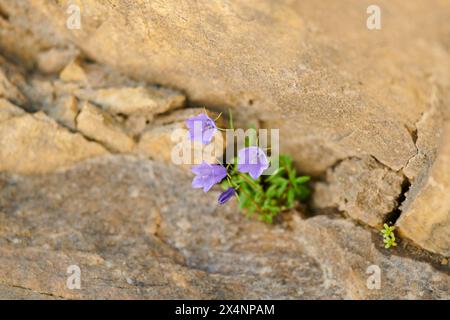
388,236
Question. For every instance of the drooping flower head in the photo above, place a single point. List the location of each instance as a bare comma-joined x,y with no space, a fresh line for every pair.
201,128
208,175
252,160
226,195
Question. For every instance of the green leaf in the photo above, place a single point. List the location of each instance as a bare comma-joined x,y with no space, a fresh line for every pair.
271,191
282,188
250,210
302,179
279,180
276,174
290,198
243,201
292,175
259,196
275,210
302,192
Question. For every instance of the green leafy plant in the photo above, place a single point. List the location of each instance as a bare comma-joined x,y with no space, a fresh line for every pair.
268,195
388,236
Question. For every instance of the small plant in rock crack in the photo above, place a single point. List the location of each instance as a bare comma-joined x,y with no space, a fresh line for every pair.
388,236
267,196
264,195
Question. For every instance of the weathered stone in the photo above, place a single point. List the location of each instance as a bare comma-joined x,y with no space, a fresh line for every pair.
167,140
55,59
73,72
8,110
37,144
427,137
102,127
94,75
362,188
319,83
171,143
321,78
324,80
64,110
8,90
425,217
18,41
137,230
145,101
350,257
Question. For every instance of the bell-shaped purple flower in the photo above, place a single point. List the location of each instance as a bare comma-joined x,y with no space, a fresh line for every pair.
201,128
208,175
252,160
226,195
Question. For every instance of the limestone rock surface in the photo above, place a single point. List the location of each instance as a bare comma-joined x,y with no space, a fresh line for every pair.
137,230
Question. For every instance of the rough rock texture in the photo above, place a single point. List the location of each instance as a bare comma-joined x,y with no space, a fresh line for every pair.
364,189
100,126
137,229
321,74
130,101
8,90
340,89
168,140
36,144
363,111
426,211
64,110
55,60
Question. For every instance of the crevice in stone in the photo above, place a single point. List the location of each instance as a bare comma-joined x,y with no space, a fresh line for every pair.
392,217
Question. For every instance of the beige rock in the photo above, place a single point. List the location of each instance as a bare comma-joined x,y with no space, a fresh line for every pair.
335,89
16,39
425,217
64,110
167,140
8,90
170,143
427,132
34,144
326,82
94,75
102,127
101,76
8,110
45,92
145,101
55,59
362,188
73,72
321,78
351,260
135,124
138,230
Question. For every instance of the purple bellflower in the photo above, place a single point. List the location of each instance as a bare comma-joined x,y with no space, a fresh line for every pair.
201,128
208,175
252,160
226,195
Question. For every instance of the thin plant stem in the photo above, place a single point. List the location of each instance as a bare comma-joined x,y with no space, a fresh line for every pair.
231,119
250,180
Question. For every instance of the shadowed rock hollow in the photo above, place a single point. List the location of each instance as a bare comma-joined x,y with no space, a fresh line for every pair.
366,112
